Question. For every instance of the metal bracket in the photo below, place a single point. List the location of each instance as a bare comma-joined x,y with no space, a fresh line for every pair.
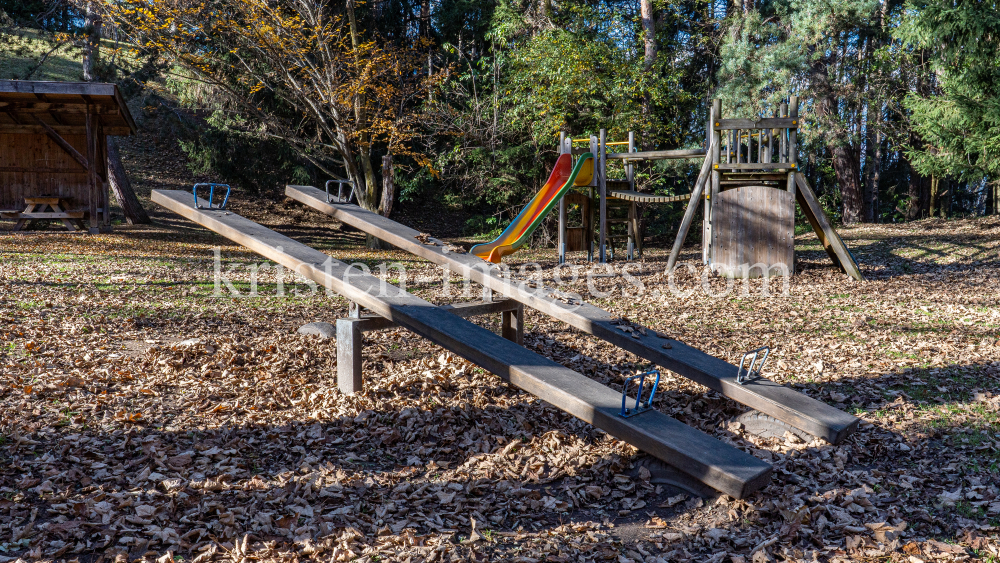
640,405
211,195
744,376
340,191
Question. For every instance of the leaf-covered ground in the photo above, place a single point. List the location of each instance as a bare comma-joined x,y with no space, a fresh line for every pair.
144,417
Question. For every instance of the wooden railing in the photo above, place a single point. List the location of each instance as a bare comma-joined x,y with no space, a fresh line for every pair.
764,144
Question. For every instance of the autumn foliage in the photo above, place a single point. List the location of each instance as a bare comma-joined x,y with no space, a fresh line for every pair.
293,69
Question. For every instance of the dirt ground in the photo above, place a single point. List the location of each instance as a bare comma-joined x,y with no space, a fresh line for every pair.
144,415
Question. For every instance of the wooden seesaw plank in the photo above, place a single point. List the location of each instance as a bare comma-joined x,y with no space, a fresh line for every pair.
783,403
697,454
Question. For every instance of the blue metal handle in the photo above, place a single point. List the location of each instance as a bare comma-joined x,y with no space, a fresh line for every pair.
211,195
340,191
640,405
744,376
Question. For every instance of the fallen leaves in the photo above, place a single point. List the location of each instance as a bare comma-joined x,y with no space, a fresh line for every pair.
206,429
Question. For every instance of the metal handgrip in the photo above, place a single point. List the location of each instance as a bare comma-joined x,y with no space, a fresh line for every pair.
340,191
211,195
640,405
741,376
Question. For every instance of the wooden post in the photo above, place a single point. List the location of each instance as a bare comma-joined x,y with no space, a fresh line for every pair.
793,112
93,186
603,194
629,171
562,203
102,149
783,140
512,324
770,142
715,177
710,134
349,345
594,183
634,227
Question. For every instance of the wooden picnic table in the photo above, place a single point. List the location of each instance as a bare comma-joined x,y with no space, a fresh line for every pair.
46,207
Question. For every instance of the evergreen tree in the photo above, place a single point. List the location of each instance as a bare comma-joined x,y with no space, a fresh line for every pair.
958,117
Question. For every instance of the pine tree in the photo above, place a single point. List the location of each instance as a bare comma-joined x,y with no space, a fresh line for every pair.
958,120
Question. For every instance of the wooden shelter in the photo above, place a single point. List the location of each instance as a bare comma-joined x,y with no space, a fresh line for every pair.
53,150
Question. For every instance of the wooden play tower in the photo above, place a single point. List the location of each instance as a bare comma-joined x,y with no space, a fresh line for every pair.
748,186
750,182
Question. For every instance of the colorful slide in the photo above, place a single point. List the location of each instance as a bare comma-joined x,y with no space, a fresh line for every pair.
563,176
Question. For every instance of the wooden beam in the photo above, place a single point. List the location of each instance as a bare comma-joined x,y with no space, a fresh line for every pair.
464,310
656,155
107,107
36,87
71,93
753,166
712,188
43,215
689,212
92,180
602,194
30,129
40,170
65,146
805,413
828,237
793,147
767,123
719,465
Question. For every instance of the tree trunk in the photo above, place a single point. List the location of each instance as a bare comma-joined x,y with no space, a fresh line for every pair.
845,165
874,177
122,187
92,47
649,59
425,18
933,206
914,189
388,186
367,194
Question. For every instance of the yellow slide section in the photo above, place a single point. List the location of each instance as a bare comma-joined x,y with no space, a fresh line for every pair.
563,176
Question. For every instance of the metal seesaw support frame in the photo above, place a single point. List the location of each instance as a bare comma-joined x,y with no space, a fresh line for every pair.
698,455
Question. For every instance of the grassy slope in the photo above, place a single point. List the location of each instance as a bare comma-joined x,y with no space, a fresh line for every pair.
22,50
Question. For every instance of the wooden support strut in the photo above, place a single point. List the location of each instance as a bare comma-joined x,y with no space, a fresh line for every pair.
350,339
691,451
788,405
692,208
828,237
64,144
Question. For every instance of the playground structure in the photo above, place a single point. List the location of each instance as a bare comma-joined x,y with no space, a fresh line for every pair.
564,175
749,182
702,458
